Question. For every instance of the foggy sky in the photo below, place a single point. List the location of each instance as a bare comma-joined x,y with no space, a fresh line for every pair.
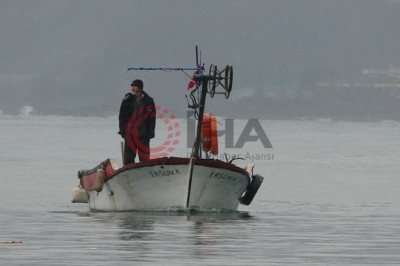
71,56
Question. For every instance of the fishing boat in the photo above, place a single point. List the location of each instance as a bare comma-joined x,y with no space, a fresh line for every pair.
199,182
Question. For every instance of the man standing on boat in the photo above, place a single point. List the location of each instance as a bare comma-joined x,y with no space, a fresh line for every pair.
137,122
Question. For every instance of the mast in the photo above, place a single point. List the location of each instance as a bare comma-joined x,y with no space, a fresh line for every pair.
196,147
196,153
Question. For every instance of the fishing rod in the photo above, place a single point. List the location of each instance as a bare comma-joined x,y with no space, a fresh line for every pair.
166,68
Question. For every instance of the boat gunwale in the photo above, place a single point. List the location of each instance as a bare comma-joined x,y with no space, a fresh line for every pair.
180,160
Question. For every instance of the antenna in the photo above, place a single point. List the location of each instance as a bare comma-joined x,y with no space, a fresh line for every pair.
197,56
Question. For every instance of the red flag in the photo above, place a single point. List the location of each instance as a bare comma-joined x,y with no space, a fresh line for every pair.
192,81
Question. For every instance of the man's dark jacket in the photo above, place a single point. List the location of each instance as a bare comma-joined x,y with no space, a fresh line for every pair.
142,112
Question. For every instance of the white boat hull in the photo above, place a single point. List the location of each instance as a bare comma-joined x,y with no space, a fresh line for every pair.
166,184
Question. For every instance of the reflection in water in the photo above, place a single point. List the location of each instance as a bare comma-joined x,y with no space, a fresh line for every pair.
209,231
152,234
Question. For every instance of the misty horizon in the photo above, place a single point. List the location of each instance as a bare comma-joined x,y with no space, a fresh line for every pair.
71,57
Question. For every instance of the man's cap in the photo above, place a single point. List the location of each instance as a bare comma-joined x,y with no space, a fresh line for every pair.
137,83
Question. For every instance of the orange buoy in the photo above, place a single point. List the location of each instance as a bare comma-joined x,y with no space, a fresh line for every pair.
206,132
214,135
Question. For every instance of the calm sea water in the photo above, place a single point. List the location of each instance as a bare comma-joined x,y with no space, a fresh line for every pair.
331,196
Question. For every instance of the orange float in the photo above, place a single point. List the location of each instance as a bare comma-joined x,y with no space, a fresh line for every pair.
214,135
206,132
